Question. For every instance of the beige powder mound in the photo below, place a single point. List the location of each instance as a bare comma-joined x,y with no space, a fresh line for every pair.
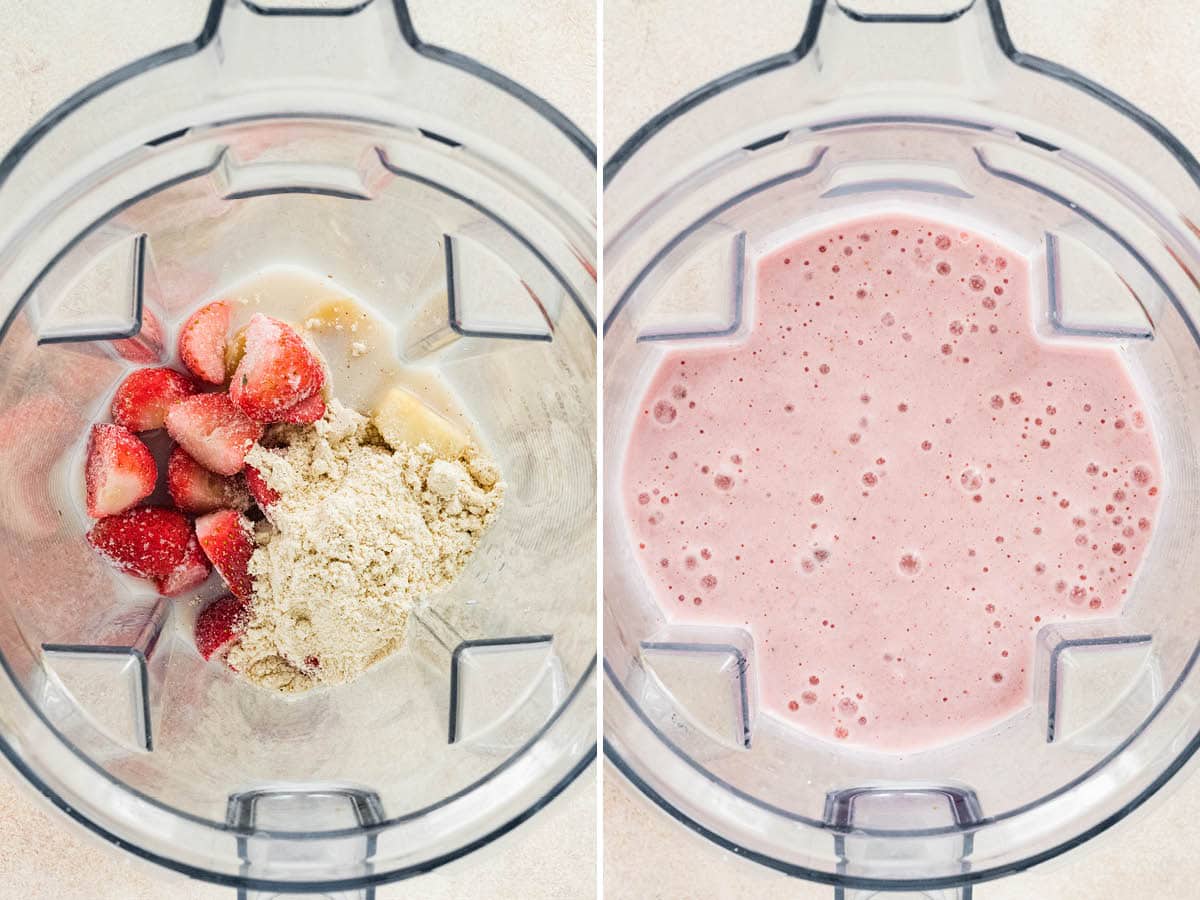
360,534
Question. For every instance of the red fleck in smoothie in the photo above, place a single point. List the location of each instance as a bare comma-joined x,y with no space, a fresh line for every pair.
893,483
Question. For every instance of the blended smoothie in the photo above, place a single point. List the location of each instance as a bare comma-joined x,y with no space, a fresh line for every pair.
892,482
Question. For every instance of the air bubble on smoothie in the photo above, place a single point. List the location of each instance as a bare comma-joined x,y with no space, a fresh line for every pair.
1078,594
1144,524
1118,549
910,564
943,268
817,499
926,445
705,553
1014,398
1128,531
664,412
906,336
696,601
976,283
809,697
821,555
947,349
679,392
855,437
971,479
793,705
1081,540
841,732
956,327
997,677
690,562
942,242
643,499
847,706
888,319
996,402
723,482
1142,475
823,368
708,582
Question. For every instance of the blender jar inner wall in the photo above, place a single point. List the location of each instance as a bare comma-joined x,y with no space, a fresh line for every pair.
387,214
1109,266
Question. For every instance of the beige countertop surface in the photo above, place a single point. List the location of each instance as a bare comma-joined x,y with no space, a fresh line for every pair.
657,50
50,50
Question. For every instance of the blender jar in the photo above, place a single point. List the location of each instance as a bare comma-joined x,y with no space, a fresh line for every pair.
936,113
459,206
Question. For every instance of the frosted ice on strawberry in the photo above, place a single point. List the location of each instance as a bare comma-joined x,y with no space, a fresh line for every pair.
893,483
148,542
190,572
219,625
213,431
196,490
143,398
119,472
202,341
227,539
277,371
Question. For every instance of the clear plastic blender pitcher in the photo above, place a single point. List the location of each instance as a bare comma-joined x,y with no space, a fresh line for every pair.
938,113
460,208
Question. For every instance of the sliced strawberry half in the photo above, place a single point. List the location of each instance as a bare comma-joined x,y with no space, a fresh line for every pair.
305,412
202,341
191,571
226,536
142,400
149,542
119,472
213,431
219,625
277,371
263,494
197,490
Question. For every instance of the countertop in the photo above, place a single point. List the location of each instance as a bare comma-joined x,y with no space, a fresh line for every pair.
657,50
50,50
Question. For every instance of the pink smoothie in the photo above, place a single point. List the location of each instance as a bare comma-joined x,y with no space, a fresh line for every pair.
892,482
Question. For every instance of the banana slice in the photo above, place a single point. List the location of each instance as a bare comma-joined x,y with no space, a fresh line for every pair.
401,418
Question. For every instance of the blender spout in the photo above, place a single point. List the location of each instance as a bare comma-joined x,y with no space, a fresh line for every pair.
953,49
353,46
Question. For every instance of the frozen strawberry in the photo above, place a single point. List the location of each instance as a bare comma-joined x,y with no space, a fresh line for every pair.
197,490
202,341
226,536
219,624
148,541
305,412
213,431
142,400
263,495
191,571
119,472
277,371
